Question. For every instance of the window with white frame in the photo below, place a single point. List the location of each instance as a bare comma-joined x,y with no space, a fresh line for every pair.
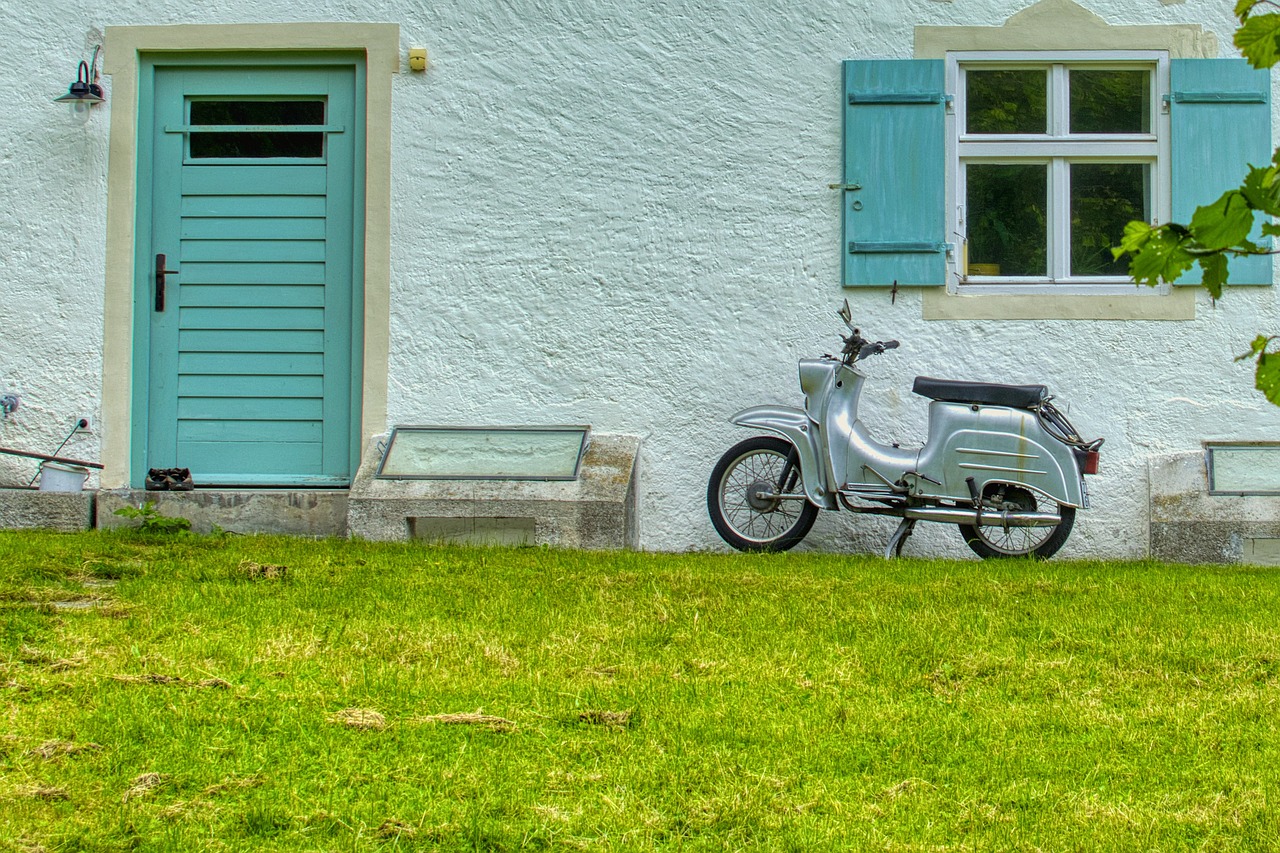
1051,154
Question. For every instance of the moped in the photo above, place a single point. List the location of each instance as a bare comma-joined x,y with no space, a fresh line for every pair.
1000,461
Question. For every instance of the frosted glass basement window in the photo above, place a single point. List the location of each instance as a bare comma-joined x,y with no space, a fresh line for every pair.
1243,469
484,453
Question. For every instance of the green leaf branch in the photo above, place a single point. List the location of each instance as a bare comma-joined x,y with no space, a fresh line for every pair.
1268,371
1218,231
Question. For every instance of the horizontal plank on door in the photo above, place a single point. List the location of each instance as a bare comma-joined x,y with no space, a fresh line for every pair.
219,385
251,364
275,273
251,296
250,340
240,228
259,458
250,318
250,180
254,205
250,408
257,251
210,430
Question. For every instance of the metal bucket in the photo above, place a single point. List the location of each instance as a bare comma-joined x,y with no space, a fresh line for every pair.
56,477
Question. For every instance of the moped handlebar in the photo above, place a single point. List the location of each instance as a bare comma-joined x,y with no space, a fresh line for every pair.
869,348
857,347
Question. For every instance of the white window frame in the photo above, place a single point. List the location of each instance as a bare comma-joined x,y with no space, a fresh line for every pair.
1059,150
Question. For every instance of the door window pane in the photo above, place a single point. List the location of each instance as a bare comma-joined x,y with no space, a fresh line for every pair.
1112,101
257,112
1007,222
1006,101
257,144
1104,197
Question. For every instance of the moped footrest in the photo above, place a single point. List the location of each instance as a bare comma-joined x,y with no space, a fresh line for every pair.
982,393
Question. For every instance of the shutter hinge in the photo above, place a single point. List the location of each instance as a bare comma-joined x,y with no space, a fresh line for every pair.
1214,98
898,98
845,187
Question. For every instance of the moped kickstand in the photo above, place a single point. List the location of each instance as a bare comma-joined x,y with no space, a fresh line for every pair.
899,538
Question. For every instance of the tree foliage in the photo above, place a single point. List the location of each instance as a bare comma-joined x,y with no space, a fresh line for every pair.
1162,253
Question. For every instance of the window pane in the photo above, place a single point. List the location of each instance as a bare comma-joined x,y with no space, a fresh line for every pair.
1104,197
1006,209
1110,101
257,144
1013,101
257,112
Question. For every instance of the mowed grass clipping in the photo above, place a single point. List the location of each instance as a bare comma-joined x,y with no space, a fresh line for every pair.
246,693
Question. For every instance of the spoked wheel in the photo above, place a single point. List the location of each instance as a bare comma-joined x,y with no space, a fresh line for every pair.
743,497
996,540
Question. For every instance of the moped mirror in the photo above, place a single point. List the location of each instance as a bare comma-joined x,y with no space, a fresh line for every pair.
846,315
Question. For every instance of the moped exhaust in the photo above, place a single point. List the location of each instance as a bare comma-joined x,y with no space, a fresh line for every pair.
989,518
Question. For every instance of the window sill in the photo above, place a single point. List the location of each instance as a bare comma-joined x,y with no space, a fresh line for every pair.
1180,304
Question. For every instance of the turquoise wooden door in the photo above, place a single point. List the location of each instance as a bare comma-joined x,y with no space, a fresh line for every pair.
249,279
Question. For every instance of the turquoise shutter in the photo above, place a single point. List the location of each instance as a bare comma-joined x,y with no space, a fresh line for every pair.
894,168
1220,116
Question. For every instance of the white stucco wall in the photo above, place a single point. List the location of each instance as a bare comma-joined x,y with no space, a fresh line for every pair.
619,214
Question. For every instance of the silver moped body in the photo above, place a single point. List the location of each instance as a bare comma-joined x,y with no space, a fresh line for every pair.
984,463
966,440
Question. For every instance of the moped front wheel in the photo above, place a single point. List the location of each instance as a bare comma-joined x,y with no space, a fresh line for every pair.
995,540
756,496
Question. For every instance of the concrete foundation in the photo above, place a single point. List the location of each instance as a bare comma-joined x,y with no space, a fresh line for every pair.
30,509
596,512
313,513
1189,525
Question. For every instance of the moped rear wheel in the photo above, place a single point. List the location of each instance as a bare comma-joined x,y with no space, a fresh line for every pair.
996,540
743,496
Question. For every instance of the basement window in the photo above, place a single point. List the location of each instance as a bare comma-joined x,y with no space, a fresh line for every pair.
1243,468
484,453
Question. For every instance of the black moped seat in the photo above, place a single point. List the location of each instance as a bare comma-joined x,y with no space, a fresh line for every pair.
982,393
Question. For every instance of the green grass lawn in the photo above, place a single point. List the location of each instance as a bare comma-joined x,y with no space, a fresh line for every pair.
186,693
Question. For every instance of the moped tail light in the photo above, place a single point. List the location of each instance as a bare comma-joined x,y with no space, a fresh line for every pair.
1089,462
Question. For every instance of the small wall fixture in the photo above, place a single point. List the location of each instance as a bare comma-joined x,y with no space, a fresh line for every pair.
85,91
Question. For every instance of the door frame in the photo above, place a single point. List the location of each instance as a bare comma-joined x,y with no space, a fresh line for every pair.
124,49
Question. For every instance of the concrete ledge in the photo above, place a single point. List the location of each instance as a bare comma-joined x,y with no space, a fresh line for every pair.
314,513
30,509
595,512
1188,525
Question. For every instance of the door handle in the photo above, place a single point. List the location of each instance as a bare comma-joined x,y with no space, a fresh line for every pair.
161,272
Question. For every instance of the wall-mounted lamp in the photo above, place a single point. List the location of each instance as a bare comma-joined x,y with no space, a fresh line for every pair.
85,91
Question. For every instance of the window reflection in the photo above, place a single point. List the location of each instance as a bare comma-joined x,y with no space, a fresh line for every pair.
1110,101
256,143
1007,219
1104,198
1007,101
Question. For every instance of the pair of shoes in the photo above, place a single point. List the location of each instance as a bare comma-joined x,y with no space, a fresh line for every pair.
169,480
